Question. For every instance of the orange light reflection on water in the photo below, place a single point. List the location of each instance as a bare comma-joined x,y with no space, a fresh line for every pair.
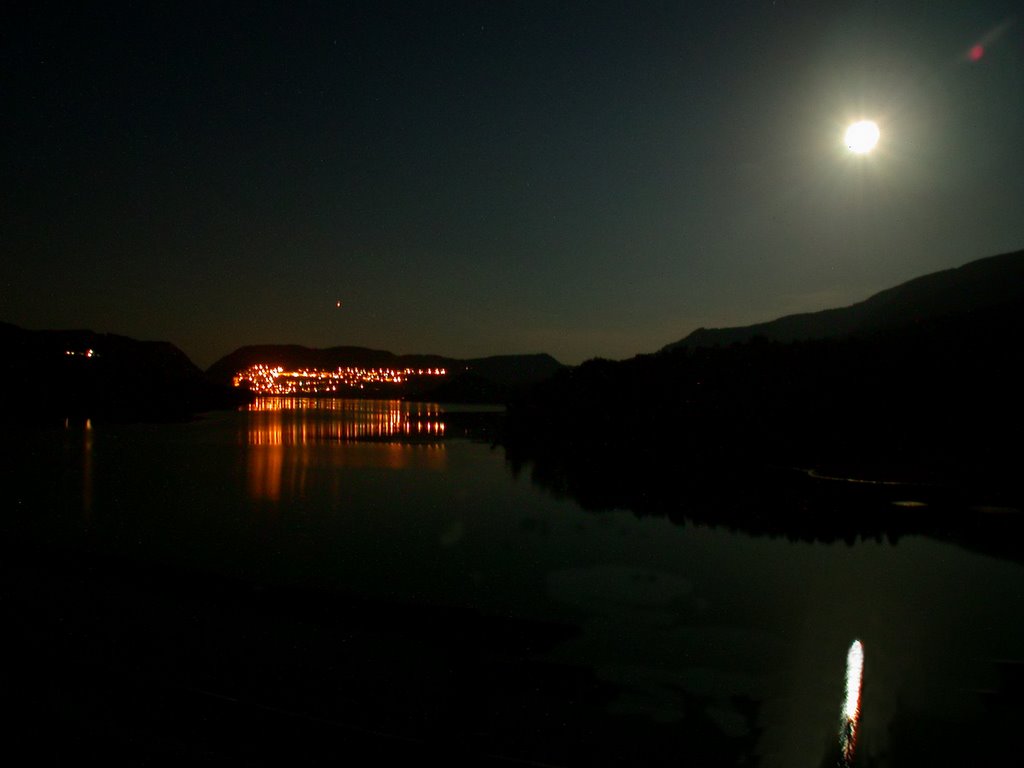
300,421
282,434
87,490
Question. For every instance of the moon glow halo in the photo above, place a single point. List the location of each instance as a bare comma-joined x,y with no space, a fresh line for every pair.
862,136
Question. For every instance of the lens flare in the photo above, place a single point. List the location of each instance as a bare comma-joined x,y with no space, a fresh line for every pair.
851,705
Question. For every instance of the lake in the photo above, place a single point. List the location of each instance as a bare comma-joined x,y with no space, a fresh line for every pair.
308,579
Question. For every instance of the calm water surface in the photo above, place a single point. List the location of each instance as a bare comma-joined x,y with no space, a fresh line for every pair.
387,502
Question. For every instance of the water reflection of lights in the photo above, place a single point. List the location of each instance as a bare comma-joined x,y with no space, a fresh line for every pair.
851,705
283,433
87,467
315,420
87,458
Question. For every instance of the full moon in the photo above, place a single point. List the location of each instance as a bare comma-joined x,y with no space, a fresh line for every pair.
862,137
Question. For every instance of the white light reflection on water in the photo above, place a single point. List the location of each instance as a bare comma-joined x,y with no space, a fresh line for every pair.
851,705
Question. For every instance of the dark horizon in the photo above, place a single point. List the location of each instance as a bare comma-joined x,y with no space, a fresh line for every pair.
981,283
467,181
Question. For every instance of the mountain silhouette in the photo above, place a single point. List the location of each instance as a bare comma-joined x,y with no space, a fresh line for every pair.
973,287
63,373
919,383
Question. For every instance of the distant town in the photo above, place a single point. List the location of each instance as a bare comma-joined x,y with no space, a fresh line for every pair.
275,380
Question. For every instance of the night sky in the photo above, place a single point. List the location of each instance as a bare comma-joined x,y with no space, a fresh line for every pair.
584,179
